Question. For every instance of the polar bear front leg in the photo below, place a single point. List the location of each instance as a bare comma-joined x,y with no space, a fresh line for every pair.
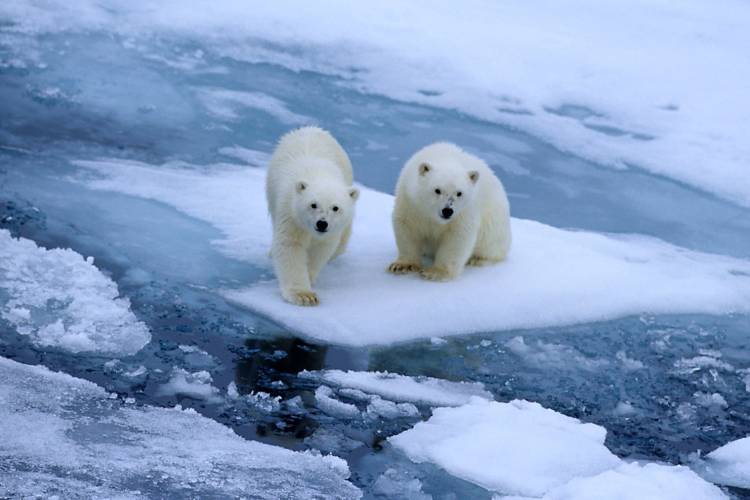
319,254
409,250
453,251
290,263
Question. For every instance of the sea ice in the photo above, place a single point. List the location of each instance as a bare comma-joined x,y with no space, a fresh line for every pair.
64,436
62,301
728,465
558,276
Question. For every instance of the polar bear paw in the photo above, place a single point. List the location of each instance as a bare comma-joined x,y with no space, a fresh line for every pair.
436,274
400,267
302,297
481,261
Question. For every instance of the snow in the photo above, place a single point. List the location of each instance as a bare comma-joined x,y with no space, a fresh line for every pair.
515,448
728,465
633,481
553,276
522,449
61,435
196,385
62,301
223,104
395,387
575,74
327,402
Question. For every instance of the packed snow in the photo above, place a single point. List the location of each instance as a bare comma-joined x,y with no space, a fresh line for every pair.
728,465
552,277
633,481
520,448
420,390
65,436
515,448
574,74
60,300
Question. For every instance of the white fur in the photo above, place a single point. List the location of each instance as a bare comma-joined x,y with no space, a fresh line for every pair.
478,231
308,167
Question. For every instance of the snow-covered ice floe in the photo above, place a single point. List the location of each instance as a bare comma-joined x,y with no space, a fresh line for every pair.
565,72
64,436
728,465
420,390
552,276
521,448
61,300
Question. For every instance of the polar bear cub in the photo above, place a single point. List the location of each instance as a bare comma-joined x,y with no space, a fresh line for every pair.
451,208
311,201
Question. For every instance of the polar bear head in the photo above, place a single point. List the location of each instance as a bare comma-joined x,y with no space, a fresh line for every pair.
324,208
443,188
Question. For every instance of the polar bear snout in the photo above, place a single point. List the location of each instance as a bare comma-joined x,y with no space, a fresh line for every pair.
446,213
321,226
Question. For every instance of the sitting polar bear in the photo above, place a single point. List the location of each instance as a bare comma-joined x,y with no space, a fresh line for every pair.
451,208
311,202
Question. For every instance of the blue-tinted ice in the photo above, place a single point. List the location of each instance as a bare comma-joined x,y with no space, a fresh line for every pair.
665,387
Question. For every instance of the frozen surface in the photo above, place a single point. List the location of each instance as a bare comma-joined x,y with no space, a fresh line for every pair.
514,448
65,436
62,301
420,390
574,74
556,276
521,448
728,465
634,481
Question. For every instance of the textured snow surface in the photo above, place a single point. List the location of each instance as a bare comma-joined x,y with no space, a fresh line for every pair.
395,387
729,464
575,74
552,277
634,481
521,448
61,300
515,448
64,436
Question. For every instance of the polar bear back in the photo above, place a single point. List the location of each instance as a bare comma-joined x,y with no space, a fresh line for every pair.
302,155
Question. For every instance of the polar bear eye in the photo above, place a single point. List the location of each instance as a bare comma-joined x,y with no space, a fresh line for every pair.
314,206
459,194
335,208
437,191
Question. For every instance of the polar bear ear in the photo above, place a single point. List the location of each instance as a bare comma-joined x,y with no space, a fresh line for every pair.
424,168
354,193
474,176
301,186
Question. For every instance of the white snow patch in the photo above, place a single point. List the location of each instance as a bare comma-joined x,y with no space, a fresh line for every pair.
515,448
632,481
557,276
196,385
61,300
729,465
327,402
661,85
225,104
54,427
419,390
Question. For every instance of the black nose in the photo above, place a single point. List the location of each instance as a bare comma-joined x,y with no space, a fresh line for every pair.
447,212
321,226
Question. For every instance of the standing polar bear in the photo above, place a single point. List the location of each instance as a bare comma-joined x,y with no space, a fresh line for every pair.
311,201
450,207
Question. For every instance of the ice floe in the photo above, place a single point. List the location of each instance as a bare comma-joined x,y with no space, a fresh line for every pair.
552,277
62,301
520,448
420,390
64,436
728,465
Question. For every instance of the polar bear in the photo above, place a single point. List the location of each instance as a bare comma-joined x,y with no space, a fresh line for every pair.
451,208
311,201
